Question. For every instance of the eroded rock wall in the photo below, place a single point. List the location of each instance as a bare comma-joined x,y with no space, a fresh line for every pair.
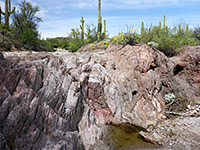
62,100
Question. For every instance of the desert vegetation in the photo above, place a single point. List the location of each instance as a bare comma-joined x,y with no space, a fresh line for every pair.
23,33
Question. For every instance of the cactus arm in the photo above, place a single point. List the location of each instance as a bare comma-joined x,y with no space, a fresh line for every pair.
1,11
11,12
9,8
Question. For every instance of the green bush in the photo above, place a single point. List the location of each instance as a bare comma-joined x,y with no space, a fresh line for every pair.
75,41
130,37
169,40
91,33
65,45
197,32
45,46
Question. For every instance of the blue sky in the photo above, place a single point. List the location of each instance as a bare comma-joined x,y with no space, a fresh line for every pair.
60,16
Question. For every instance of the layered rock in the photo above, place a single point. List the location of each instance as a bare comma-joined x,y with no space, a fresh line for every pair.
65,100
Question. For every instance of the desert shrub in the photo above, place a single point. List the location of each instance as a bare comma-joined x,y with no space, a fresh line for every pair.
75,41
8,39
45,46
54,42
65,45
130,37
91,33
169,40
196,32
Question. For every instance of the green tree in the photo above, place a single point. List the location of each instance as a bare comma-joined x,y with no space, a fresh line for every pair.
25,23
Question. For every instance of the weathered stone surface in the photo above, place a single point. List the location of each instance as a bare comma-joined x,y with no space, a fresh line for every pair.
64,100
34,109
186,77
3,143
179,133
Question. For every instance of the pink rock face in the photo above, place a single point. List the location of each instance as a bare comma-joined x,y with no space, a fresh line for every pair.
97,102
96,95
61,99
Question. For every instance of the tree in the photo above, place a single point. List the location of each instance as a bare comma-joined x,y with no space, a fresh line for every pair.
25,23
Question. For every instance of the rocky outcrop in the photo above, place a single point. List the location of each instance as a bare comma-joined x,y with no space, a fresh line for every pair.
34,109
66,100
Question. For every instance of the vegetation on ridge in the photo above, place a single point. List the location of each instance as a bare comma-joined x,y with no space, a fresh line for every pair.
23,33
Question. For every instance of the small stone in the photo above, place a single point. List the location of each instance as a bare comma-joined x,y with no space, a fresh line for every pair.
164,117
194,111
189,107
193,107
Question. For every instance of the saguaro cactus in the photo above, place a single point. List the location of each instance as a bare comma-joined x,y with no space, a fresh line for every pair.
82,28
160,24
187,28
7,12
99,28
179,29
142,28
164,23
104,28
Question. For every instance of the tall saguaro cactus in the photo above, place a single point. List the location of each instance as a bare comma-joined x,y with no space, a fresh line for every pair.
187,28
82,28
142,28
164,27
104,28
7,12
160,25
99,28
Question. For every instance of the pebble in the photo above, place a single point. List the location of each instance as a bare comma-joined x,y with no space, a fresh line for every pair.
189,107
194,111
